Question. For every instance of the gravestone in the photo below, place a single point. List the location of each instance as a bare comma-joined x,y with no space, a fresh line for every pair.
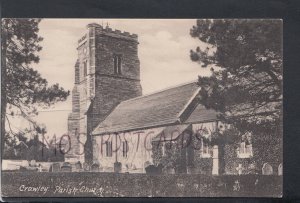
280,169
78,166
86,166
95,167
267,169
159,168
55,167
146,164
170,170
66,167
40,168
150,169
32,163
239,169
155,170
236,186
117,167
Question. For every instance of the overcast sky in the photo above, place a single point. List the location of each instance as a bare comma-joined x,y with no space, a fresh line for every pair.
163,52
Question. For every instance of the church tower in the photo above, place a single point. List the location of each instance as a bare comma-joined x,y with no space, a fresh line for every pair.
107,72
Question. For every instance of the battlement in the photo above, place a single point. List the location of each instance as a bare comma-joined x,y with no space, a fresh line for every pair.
108,31
83,38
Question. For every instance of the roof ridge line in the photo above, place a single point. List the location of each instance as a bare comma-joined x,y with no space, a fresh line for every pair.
162,90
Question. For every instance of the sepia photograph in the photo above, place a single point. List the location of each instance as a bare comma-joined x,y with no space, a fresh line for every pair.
141,107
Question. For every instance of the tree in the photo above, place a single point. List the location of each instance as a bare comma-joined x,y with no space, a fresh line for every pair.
23,89
245,57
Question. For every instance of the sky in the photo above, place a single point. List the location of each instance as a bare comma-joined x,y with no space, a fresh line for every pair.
164,47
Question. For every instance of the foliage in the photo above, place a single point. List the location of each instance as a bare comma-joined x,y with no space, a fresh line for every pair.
21,148
247,85
23,89
143,185
245,57
171,158
268,148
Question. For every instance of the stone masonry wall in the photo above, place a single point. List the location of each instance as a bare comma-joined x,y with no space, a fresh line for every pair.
106,88
111,88
98,90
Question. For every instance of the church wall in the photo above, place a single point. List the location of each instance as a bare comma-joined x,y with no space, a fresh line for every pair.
139,150
197,162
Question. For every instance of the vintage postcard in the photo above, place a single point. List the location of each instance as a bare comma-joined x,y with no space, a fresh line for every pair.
141,107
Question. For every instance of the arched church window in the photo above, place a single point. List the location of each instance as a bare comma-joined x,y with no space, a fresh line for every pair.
125,148
245,148
267,169
108,148
280,169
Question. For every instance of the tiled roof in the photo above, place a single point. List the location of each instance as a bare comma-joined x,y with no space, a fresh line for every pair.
155,110
151,110
201,114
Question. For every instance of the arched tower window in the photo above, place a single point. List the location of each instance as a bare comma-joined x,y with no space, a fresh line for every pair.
117,64
85,68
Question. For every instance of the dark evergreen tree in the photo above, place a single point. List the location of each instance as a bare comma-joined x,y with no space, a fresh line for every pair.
245,57
23,89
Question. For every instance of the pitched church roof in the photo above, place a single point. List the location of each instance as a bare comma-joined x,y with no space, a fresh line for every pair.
167,107
201,114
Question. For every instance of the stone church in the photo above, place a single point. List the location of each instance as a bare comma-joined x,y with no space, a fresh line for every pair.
114,125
